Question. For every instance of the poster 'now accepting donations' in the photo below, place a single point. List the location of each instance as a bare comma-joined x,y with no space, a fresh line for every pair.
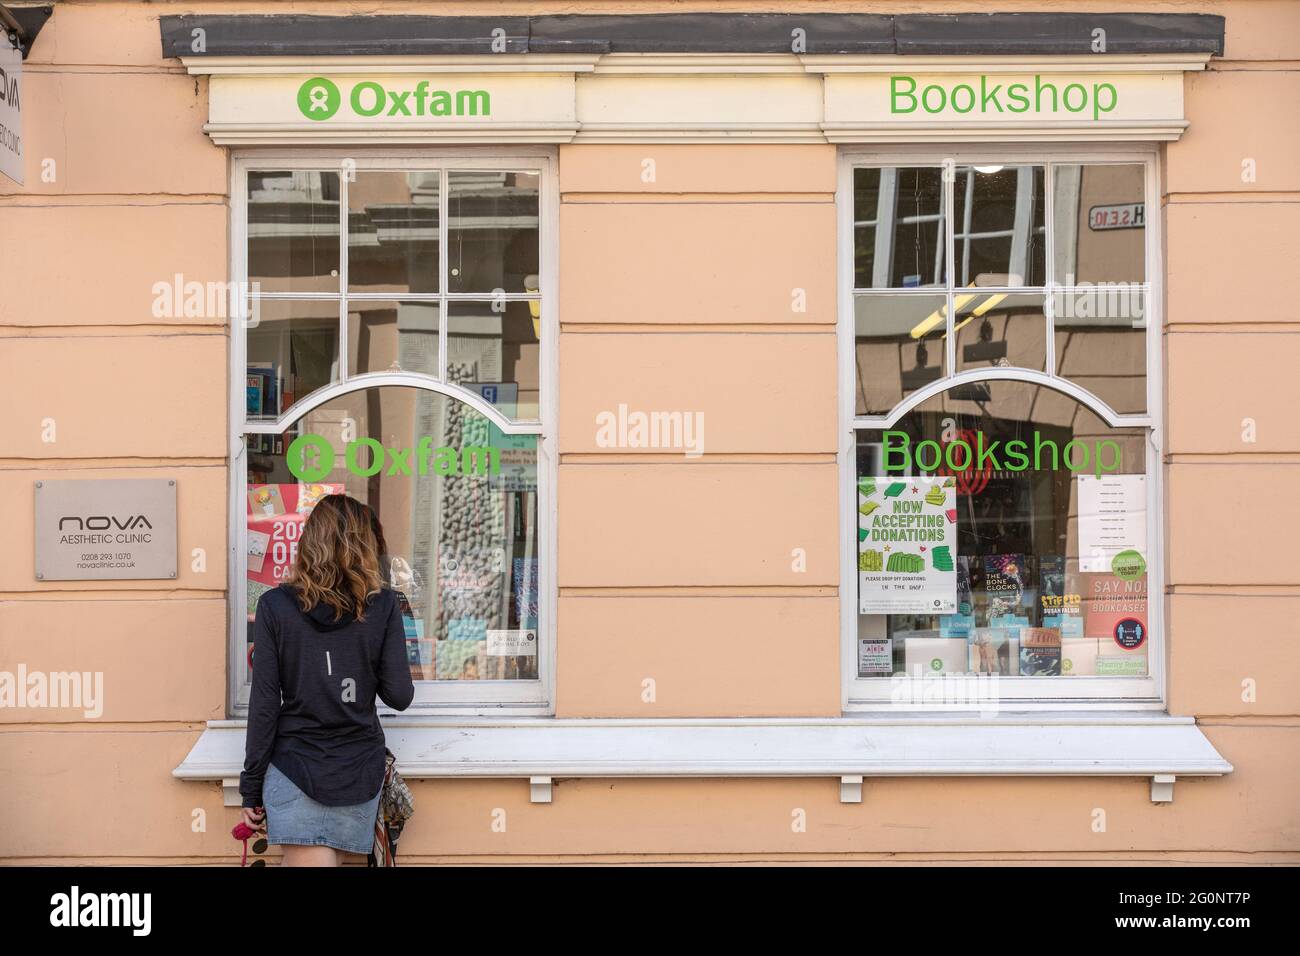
907,545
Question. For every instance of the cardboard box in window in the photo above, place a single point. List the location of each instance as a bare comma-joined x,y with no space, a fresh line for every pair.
930,656
1079,656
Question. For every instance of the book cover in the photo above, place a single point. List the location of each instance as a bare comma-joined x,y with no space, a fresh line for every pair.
258,542
309,494
459,660
995,650
269,373
1004,584
255,395
266,501
1040,652
524,582
1057,591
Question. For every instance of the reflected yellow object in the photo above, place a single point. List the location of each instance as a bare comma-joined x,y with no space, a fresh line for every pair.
939,315
979,310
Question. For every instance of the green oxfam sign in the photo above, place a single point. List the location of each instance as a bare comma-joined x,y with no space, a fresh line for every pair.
311,457
320,98
1039,454
988,98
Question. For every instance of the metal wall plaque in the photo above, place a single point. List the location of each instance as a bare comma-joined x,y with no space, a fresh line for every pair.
106,529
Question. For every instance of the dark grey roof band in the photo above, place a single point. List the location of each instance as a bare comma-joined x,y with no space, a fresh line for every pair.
823,33
992,34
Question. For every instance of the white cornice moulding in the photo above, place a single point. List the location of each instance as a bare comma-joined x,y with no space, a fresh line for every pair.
1112,132
272,134
389,65
698,64
690,64
1100,63
700,133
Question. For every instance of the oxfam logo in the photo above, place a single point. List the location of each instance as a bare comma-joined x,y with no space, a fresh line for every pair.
367,457
318,98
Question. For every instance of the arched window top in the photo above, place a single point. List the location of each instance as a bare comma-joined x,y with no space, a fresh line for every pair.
965,389
382,380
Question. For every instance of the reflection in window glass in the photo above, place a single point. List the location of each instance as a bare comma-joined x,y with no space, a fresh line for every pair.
493,348
998,231
457,501
293,230
393,231
292,350
898,347
1002,530
999,329
392,336
1101,343
898,227
492,231
1100,223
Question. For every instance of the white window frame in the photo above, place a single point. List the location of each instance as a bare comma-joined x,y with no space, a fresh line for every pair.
453,698
879,694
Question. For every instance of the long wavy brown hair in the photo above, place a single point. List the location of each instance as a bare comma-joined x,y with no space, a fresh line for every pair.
338,557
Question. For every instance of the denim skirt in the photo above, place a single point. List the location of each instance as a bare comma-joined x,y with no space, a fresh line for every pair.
293,817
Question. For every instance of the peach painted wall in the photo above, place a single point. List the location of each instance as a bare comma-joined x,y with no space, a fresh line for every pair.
693,584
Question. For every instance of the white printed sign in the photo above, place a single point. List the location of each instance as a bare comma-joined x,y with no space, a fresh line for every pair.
511,643
907,545
1112,518
875,657
11,117
1129,215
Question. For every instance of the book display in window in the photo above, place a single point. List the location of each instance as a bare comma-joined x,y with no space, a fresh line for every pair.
1040,652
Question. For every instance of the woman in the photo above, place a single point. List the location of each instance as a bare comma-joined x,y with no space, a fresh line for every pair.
327,641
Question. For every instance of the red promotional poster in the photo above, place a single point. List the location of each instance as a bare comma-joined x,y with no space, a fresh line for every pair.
1108,603
275,517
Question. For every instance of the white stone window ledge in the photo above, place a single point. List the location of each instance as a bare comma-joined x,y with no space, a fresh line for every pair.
852,749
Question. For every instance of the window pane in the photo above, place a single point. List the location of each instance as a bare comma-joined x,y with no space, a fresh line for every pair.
293,231
458,504
1100,223
393,231
998,231
497,353
898,227
292,351
1101,343
898,347
492,231
996,329
1002,530
392,336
